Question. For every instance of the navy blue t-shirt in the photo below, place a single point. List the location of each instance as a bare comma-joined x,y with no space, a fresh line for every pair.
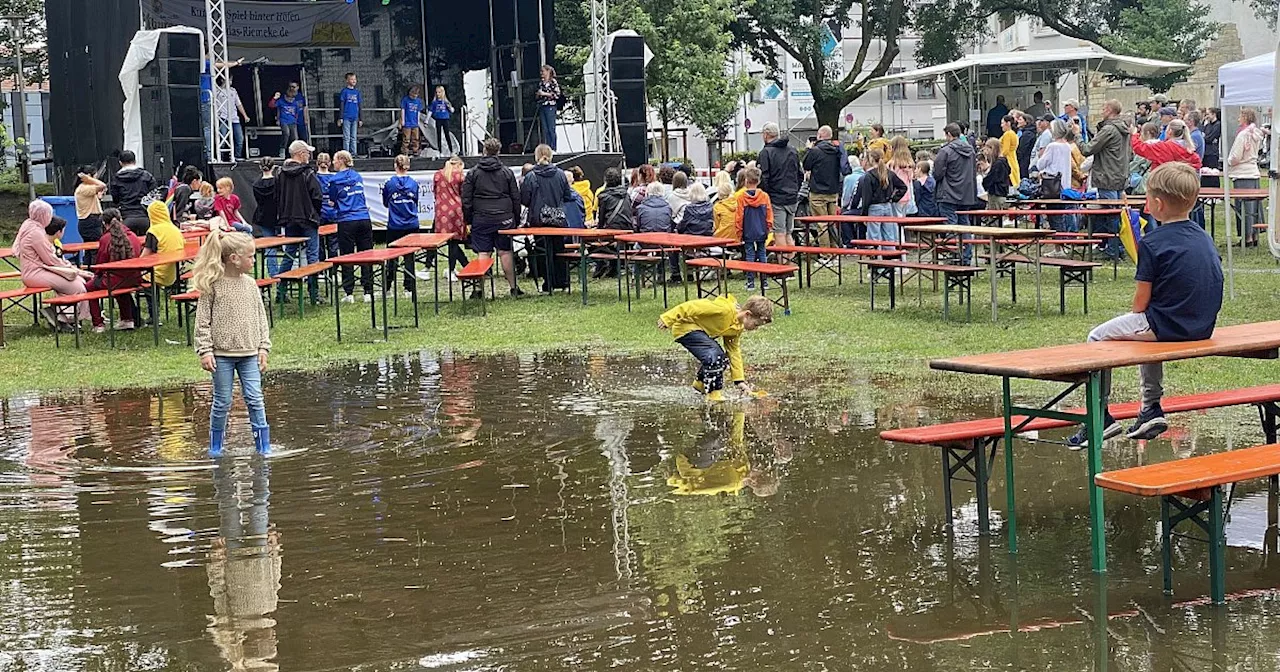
1185,272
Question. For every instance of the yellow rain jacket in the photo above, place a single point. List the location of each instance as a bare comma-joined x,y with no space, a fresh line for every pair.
168,239
724,476
717,317
583,188
724,214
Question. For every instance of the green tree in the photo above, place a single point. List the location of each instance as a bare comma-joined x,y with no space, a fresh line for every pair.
1173,30
799,28
687,80
35,55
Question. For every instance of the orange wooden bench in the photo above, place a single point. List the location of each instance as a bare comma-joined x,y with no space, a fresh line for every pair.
96,295
473,276
779,272
832,258
13,299
300,275
1190,489
187,304
970,446
1071,272
959,278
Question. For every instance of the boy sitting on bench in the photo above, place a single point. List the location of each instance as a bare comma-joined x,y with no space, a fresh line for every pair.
697,324
1177,298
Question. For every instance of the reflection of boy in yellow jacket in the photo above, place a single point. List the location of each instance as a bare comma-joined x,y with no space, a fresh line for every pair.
714,469
697,324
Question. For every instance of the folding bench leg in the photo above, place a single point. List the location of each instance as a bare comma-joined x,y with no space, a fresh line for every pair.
1207,514
786,298
1062,291
893,289
948,280
873,287
1217,548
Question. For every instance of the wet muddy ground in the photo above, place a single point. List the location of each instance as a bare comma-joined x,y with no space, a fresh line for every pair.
587,513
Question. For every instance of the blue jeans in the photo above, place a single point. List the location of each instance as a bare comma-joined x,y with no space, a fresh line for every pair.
1109,224
349,127
547,113
711,358
1063,223
312,235
250,388
949,210
753,250
882,230
274,258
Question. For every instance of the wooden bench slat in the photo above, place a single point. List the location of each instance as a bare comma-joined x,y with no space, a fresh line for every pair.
96,295
305,271
1194,473
920,266
991,427
194,294
762,268
837,251
476,268
24,292
1055,262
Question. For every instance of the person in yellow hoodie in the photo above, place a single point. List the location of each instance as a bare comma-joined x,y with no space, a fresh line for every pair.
697,324
583,187
724,214
162,237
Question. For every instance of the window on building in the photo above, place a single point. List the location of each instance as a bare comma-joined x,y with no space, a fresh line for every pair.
926,89
1007,20
375,37
897,91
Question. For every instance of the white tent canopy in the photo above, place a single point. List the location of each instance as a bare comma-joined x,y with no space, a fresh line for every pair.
1092,58
1248,82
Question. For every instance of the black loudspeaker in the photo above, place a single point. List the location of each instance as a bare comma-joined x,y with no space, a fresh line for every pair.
171,111
163,156
179,45
626,78
634,138
165,71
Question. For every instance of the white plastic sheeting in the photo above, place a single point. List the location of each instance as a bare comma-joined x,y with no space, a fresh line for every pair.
142,49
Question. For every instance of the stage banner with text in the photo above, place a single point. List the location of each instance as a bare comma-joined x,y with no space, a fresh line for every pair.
373,182
266,24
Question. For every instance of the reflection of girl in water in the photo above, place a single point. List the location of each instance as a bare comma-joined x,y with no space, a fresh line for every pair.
244,567
458,399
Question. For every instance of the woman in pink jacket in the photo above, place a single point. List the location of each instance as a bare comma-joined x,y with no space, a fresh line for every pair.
42,267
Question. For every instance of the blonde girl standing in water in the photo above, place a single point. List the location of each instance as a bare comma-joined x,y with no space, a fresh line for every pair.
232,333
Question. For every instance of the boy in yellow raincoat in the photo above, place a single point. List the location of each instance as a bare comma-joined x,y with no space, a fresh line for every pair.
697,324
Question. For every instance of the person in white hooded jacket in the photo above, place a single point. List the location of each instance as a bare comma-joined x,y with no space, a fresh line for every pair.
1242,170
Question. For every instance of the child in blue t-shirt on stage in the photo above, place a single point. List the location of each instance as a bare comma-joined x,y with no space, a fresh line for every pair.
441,109
410,106
1177,298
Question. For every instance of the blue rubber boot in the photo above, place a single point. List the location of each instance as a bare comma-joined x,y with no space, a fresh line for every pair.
262,439
216,437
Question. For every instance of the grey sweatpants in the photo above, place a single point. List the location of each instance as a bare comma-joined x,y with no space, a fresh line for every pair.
1131,327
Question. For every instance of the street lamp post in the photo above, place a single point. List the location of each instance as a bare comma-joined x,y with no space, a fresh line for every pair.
20,146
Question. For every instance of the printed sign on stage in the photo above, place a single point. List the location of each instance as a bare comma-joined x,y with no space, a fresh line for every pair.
275,24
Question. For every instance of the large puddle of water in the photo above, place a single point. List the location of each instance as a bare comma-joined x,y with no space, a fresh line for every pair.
587,513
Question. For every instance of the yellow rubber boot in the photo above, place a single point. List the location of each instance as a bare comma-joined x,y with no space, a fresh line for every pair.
697,385
715,396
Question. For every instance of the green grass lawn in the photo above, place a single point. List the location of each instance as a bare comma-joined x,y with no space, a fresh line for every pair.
831,326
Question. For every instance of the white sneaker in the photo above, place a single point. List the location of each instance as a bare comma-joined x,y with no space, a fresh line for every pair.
368,298
125,325
348,299
453,277
422,275
99,329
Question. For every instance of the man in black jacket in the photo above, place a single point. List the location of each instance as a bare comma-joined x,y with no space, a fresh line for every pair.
298,199
264,211
955,172
490,203
779,165
1027,134
127,190
825,164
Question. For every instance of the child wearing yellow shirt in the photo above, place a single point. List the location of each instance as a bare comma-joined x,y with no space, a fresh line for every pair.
697,324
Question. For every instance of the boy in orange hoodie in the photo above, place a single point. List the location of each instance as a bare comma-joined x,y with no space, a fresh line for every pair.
754,221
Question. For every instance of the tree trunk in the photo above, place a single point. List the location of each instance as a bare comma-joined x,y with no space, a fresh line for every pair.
827,110
666,122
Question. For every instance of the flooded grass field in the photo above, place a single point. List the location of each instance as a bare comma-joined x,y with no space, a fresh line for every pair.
587,513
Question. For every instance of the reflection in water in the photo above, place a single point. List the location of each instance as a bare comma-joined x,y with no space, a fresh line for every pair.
244,566
530,512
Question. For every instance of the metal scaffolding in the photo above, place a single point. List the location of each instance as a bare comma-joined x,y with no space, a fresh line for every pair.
602,132
220,71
